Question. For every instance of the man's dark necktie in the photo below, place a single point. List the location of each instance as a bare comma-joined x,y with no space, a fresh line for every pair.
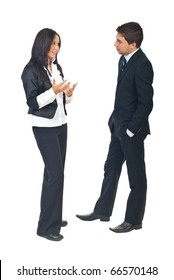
123,64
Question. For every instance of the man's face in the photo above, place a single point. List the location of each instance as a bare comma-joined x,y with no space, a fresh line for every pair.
122,46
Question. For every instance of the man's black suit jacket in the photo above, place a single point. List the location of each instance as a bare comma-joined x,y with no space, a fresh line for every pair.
134,96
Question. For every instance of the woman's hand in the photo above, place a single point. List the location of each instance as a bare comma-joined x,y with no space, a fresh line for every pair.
58,88
69,90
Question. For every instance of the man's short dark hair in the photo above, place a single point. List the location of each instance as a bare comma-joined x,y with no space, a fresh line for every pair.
132,32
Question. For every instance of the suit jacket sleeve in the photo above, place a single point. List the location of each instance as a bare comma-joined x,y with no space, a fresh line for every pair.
144,90
31,86
35,86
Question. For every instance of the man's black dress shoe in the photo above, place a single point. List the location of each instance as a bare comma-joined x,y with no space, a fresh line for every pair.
92,217
126,227
53,237
64,223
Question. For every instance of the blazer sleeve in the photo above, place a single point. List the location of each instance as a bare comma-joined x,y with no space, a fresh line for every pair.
31,86
144,90
34,86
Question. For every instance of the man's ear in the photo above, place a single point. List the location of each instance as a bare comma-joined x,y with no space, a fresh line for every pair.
133,46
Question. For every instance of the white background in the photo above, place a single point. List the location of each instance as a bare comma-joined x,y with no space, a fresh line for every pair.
87,29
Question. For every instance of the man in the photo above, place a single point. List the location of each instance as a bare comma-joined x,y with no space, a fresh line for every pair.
129,127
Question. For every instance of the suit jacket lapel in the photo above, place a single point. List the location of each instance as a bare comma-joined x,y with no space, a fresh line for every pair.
129,63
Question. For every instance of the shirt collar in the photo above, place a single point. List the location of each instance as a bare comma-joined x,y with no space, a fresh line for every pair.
127,57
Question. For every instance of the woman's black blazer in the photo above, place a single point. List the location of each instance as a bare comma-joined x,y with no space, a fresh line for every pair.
36,81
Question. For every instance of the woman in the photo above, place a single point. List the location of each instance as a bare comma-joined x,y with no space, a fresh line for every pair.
46,95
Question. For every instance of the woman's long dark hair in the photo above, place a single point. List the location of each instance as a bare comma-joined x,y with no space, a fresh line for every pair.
41,47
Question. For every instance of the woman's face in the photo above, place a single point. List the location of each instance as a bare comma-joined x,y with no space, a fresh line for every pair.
54,49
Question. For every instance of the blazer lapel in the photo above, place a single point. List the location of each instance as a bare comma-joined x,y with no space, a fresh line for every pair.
128,65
